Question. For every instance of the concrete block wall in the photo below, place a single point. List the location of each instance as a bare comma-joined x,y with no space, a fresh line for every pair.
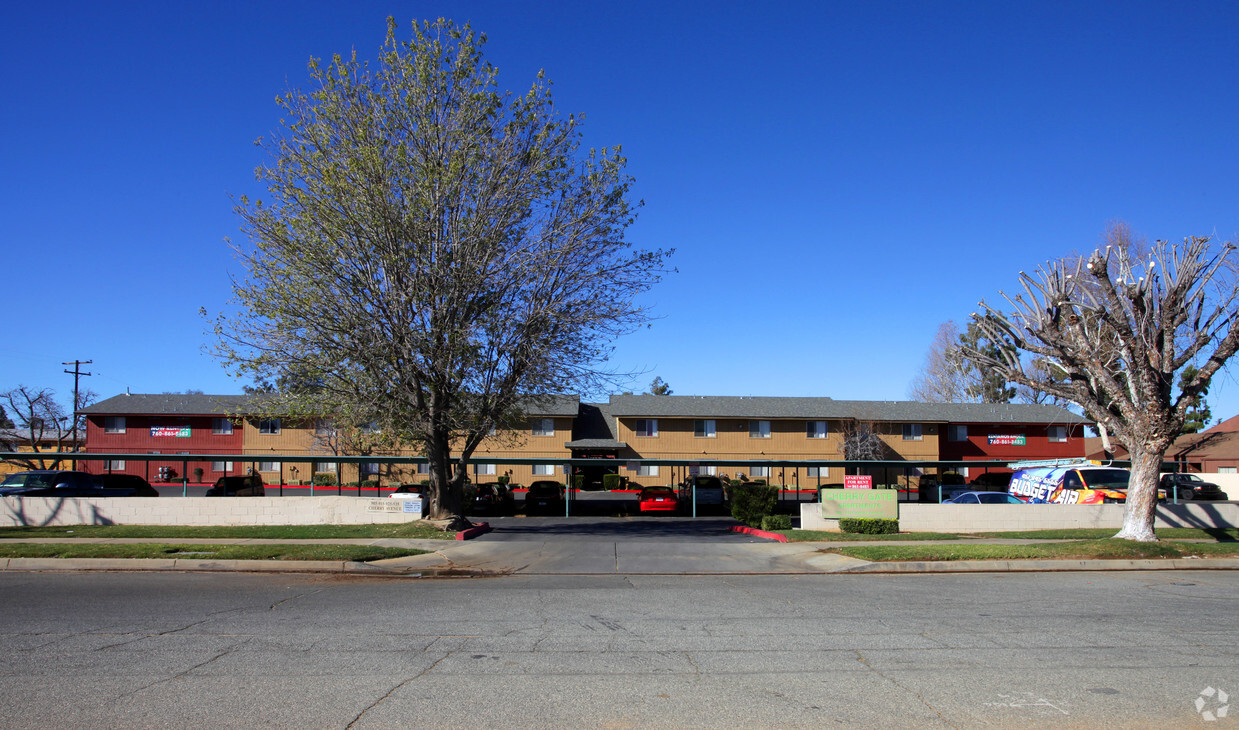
334,510
914,517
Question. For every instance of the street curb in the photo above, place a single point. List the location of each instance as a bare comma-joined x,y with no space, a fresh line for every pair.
758,533
1041,566
70,565
479,528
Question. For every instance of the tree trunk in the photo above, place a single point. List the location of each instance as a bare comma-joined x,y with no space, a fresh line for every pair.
444,492
1142,495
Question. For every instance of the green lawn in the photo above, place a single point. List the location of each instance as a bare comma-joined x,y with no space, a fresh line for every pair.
1225,533
823,536
1108,549
359,553
265,532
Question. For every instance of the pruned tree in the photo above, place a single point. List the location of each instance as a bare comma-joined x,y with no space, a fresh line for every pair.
859,441
39,420
434,253
1117,328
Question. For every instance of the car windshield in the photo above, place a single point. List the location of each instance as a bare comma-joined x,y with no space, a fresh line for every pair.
28,480
996,498
1106,478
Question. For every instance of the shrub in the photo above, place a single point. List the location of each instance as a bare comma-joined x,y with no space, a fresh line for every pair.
370,484
750,503
324,480
578,481
612,482
352,485
771,523
868,526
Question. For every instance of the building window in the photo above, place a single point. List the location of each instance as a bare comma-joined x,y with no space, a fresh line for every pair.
1058,434
324,467
268,466
371,427
704,429
221,466
759,471
815,429
707,470
221,426
423,467
324,427
759,429
1220,469
814,472
647,470
269,425
484,470
543,470
113,465
114,424
646,427
911,432
369,469
542,426
957,433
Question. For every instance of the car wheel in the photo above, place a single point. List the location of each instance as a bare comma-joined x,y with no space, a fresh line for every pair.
1186,495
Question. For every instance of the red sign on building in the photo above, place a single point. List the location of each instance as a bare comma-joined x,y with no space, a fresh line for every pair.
858,482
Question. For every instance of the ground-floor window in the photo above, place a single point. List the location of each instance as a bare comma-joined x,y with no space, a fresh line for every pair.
1220,469
647,470
706,470
484,470
268,466
114,465
543,470
815,472
222,466
759,471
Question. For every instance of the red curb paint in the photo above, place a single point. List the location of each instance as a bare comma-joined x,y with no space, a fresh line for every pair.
479,528
759,533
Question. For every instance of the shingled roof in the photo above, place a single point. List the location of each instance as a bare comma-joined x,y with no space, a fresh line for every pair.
692,406
181,404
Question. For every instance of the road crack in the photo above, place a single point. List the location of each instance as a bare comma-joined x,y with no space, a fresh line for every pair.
393,690
920,698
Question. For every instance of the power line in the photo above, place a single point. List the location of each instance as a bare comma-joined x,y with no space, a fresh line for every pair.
77,374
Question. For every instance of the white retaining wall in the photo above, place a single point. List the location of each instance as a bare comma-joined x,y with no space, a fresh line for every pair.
17,511
916,517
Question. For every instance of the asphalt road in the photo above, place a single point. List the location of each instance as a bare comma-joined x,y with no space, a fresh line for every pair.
992,650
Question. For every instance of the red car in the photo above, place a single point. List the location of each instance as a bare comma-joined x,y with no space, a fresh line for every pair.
659,499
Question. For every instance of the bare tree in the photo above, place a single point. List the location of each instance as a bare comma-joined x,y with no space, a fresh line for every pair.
1113,332
940,380
435,253
38,420
859,441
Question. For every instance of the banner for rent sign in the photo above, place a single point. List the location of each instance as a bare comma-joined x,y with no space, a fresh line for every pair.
173,431
858,482
1006,439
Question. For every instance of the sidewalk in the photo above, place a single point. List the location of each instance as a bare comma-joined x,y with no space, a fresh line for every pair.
602,557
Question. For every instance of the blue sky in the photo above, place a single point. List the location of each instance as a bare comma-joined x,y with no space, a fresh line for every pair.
837,179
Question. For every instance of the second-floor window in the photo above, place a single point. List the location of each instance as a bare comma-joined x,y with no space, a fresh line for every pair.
542,426
1058,434
911,432
269,425
815,429
957,433
759,429
221,426
114,424
704,429
646,427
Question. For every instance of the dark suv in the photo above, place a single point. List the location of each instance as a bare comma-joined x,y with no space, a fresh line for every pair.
545,496
248,486
1190,486
54,483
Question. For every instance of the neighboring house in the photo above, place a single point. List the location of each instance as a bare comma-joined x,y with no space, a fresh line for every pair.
619,434
18,440
1212,451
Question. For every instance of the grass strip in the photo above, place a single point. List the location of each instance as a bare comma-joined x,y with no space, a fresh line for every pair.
413,530
359,553
825,536
1092,533
1108,549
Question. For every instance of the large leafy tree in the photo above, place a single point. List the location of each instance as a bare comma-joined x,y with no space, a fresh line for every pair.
1111,332
948,377
433,253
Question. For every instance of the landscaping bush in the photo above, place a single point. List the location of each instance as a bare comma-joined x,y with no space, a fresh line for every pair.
578,481
770,523
324,480
612,482
868,526
370,484
751,502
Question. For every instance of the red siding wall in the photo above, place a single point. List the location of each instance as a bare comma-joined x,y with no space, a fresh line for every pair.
1037,444
137,439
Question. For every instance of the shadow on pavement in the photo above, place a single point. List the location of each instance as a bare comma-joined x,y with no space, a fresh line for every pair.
670,529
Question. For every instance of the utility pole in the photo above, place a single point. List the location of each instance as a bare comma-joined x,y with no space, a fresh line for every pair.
77,373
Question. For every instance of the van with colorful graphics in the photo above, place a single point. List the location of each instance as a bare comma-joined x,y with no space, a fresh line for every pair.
1079,483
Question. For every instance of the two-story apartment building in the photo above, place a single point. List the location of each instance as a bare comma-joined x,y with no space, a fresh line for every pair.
622,435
